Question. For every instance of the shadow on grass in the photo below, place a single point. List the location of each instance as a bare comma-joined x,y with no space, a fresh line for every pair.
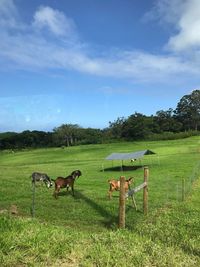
109,220
123,168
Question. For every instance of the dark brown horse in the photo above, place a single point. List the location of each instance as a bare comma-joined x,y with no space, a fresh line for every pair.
66,182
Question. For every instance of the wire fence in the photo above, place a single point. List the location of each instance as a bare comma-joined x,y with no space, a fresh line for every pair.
188,182
178,191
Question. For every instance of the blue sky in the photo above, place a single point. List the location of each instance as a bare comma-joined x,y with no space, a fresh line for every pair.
90,62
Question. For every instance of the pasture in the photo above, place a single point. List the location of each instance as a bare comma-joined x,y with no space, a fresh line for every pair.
90,217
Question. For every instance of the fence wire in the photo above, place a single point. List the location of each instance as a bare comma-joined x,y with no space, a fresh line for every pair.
182,188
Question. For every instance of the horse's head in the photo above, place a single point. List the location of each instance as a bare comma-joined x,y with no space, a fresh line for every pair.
76,174
130,180
48,181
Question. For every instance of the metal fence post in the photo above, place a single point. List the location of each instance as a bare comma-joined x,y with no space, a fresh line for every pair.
122,203
183,189
145,190
33,200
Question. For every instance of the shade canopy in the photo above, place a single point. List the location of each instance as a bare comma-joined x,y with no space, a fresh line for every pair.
132,155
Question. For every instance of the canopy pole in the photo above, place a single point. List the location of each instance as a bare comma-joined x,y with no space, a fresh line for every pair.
122,166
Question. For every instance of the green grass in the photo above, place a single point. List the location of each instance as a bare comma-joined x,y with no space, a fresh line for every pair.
82,231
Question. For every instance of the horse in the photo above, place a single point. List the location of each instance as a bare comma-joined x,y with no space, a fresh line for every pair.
115,185
66,182
41,177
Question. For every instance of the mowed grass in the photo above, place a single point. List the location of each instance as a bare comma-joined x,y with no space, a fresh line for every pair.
82,230
91,209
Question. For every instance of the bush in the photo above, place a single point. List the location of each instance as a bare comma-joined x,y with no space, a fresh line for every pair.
172,136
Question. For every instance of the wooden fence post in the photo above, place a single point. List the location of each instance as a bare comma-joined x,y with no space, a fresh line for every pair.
145,191
122,203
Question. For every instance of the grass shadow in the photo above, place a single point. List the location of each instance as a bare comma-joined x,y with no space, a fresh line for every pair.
123,168
109,221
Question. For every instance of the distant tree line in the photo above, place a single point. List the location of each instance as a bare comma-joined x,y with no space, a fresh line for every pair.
165,124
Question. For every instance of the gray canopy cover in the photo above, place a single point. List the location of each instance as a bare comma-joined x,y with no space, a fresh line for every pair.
132,155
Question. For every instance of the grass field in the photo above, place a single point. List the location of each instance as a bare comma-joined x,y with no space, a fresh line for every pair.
82,230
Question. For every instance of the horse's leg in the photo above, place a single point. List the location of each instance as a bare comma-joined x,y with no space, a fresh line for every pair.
72,189
56,191
55,194
110,191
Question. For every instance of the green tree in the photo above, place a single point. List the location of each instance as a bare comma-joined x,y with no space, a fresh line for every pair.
137,126
91,136
66,134
166,122
188,111
116,128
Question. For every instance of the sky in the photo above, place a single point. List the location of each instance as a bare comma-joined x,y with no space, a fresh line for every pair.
90,62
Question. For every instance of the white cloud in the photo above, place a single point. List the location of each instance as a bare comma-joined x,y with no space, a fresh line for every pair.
9,16
165,11
184,19
31,50
7,8
54,20
188,28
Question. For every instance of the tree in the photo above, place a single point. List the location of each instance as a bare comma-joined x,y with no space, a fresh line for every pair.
188,111
166,122
116,128
137,126
91,136
66,134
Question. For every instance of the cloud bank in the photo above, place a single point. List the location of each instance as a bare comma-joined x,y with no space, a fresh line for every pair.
51,41
188,27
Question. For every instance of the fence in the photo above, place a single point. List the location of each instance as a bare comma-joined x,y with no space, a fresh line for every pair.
179,190
123,195
165,193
